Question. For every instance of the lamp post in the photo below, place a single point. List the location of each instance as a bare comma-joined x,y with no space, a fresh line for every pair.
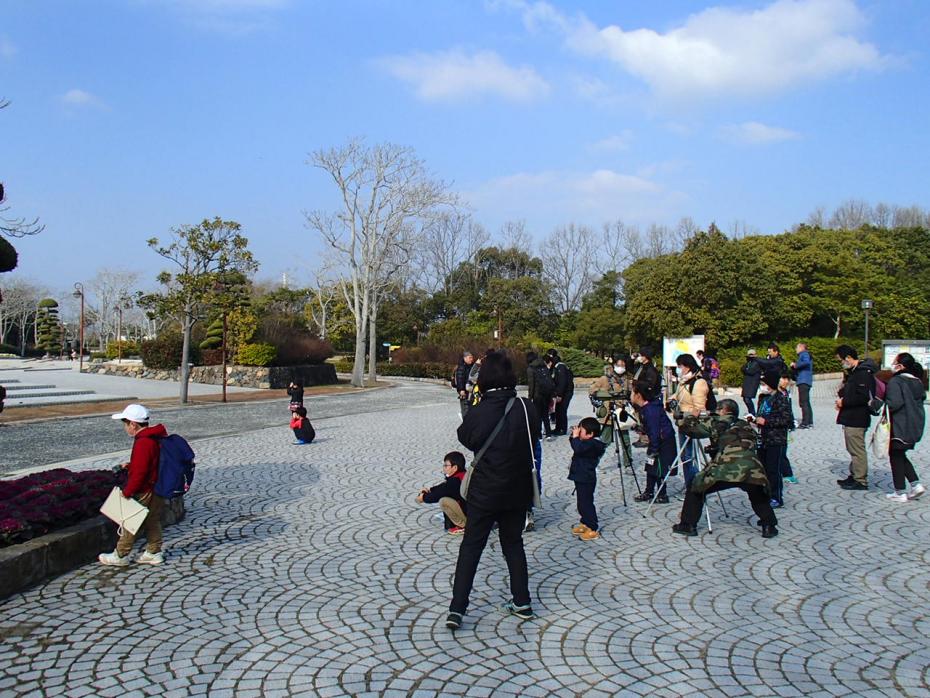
79,293
867,306
123,302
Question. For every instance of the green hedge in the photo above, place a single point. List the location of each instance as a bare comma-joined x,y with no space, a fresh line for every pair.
164,352
129,348
257,354
423,369
582,364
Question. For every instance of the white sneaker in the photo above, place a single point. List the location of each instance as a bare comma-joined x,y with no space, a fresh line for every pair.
897,497
113,559
148,558
916,491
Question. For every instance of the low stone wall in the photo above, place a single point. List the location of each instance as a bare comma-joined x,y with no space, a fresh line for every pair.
39,559
244,376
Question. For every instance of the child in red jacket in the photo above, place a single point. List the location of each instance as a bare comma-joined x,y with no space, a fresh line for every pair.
303,430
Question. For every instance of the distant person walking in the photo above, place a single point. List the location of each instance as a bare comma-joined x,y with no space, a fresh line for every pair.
904,396
752,376
852,405
803,370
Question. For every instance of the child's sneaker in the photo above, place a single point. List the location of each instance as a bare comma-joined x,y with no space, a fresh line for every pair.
300,442
792,479
590,535
521,612
579,529
456,531
897,497
113,559
148,558
916,491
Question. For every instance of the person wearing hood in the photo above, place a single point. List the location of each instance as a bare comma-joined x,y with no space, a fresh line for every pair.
752,375
852,405
904,396
140,484
774,420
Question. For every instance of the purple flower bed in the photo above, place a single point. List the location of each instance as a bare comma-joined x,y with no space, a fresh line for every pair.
33,505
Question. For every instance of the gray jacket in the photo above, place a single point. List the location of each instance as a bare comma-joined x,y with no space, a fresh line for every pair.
904,396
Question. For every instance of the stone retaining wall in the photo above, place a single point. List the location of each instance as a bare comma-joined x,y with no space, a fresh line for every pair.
39,559
244,376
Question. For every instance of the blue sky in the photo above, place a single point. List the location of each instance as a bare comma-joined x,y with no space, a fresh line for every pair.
130,117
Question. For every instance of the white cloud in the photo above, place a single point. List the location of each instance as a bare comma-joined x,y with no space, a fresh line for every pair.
561,196
754,133
80,99
723,51
456,75
233,18
618,141
7,48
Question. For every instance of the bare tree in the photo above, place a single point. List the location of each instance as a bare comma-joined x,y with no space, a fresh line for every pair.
685,230
610,253
566,254
111,288
659,240
449,240
385,190
882,215
515,235
740,229
851,215
15,227
20,302
817,218
910,217
324,289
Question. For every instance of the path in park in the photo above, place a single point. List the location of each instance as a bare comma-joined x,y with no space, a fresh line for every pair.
310,570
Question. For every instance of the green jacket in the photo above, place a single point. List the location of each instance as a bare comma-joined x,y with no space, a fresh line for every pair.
733,442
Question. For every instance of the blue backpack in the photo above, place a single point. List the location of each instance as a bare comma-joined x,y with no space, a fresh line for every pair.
175,467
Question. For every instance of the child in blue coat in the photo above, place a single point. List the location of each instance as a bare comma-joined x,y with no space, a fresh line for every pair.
587,450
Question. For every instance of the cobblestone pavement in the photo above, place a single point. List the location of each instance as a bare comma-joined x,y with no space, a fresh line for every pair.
310,570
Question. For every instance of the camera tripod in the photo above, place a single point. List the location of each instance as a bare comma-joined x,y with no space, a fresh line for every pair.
623,451
700,457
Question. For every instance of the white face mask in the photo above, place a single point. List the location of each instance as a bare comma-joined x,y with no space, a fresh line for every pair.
680,371
619,370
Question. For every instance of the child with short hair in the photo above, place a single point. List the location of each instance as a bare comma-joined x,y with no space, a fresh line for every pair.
587,450
303,430
448,494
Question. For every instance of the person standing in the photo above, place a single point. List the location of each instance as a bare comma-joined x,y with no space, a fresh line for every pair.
752,375
647,378
540,387
140,484
774,419
501,485
904,396
804,379
852,405
774,361
692,399
460,381
564,390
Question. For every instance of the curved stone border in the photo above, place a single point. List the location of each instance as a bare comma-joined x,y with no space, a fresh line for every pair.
39,559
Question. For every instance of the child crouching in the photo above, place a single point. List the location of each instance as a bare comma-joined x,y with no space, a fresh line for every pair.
303,430
587,450
448,494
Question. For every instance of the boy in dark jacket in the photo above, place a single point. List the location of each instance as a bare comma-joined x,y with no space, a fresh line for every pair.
448,494
774,419
587,450
303,430
662,449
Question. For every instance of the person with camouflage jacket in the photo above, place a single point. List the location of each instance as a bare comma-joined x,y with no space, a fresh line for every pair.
734,465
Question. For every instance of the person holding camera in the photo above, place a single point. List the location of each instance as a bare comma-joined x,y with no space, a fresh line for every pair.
774,419
735,464
661,452
648,379
691,399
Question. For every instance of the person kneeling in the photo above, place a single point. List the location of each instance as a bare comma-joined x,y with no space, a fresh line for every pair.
448,494
587,450
735,464
301,426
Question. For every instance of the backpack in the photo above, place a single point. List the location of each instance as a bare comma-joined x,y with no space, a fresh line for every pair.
544,383
711,398
175,467
714,369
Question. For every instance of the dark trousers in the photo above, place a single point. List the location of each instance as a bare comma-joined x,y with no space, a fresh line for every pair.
653,481
804,398
542,409
584,496
510,529
758,499
772,458
464,406
561,414
751,408
901,469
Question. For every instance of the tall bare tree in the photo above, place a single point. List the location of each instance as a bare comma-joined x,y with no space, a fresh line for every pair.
111,288
566,255
385,191
851,215
449,239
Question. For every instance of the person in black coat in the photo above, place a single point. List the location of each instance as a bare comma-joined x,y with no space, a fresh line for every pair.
295,390
500,488
853,414
460,381
564,390
752,375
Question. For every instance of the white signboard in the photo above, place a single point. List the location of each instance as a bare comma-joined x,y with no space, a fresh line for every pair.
672,348
918,348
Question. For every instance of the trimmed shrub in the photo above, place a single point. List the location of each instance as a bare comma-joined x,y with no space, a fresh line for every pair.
129,348
211,357
303,348
164,352
582,364
8,256
257,354
214,338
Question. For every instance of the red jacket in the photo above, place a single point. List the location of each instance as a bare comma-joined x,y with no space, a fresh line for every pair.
143,463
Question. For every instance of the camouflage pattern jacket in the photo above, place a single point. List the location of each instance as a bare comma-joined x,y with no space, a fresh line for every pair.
733,442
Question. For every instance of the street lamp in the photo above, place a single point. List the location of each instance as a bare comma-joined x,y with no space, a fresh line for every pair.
79,293
867,306
120,304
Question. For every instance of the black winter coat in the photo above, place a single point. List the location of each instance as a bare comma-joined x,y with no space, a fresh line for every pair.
460,381
564,380
647,379
450,487
752,375
856,392
501,481
585,457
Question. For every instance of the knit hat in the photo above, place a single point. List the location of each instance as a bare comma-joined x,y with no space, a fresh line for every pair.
771,378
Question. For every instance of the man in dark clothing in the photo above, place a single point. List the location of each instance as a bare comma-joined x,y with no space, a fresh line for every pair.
541,388
804,378
647,379
448,494
460,381
564,390
774,362
853,414
140,484
752,375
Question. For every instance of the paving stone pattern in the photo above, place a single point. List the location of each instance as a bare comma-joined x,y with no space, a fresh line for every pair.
311,571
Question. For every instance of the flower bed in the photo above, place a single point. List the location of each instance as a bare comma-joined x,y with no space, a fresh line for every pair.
36,504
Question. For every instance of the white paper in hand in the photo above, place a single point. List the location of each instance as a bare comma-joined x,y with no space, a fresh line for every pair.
127,513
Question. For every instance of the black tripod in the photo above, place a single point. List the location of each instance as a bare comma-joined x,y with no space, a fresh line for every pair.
622,448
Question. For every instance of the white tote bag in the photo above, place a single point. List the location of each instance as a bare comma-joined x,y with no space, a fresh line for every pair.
881,436
127,513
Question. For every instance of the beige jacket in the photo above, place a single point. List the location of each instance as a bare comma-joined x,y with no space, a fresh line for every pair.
688,401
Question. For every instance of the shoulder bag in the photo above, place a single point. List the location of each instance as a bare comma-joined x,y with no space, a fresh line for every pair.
881,436
537,501
466,481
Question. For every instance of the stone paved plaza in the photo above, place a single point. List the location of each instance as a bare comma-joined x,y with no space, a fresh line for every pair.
310,570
